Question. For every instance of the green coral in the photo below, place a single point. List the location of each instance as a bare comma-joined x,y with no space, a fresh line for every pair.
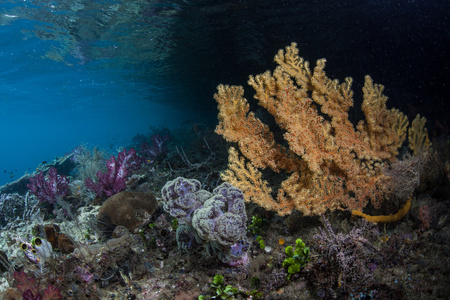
228,292
260,240
174,224
257,225
296,258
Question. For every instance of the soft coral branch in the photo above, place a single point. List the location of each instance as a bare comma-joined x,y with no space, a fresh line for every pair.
49,188
156,149
114,180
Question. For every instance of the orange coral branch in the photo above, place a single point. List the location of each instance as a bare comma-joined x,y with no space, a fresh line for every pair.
330,164
238,125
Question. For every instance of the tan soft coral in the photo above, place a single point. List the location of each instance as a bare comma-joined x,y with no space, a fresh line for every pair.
330,163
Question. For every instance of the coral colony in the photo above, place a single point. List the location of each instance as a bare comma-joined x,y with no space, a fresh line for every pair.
50,187
114,180
280,219
155,149
217,220
330,164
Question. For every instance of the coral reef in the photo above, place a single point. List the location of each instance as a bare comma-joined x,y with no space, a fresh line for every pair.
348,258
330,163
169,238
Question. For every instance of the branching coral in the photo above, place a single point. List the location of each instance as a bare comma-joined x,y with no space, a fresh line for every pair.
331,164
114,180
50,187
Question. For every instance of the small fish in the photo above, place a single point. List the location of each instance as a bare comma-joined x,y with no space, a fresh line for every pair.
11,176
44,162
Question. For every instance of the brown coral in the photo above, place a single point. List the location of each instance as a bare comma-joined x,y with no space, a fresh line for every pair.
129,209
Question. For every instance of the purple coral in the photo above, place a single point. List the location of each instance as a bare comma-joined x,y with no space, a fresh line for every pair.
30,290
114,180
217,219
222,217
49,188
221,223
85,274
350,256
156,149
182,197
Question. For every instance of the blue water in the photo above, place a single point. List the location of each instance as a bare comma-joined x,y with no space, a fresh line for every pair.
49,105
100,72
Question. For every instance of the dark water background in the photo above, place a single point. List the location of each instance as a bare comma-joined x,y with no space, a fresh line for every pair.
99,72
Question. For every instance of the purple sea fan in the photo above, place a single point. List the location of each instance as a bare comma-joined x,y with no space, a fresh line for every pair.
49,188
114,180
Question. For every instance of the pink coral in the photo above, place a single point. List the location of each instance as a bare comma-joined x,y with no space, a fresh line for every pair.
114,180
49,188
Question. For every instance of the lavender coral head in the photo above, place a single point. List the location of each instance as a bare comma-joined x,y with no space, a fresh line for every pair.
222,217
182,197
221,223
114,180
217,220
49,188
